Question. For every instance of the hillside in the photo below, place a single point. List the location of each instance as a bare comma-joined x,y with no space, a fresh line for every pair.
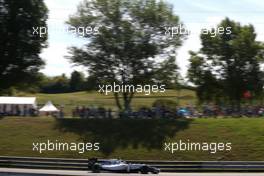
134,139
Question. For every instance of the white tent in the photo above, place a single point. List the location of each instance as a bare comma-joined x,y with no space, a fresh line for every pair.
18,101
13,105
48,107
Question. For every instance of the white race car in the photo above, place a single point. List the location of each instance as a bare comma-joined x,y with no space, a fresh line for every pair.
115,165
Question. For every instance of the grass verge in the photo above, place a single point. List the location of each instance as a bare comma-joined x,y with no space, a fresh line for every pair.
134,139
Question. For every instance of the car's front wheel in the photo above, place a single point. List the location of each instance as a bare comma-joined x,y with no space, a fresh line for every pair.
155,172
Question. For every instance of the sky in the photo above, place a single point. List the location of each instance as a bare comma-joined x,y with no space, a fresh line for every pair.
195,14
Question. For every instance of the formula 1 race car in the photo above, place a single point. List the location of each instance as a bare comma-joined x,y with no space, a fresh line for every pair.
119,166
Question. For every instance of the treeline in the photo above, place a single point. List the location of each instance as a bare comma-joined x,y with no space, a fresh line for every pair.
79,82
63,84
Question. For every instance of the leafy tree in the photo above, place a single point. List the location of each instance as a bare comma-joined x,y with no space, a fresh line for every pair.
91,83
130,39
200,74
167,73
228,64
77,81
19,48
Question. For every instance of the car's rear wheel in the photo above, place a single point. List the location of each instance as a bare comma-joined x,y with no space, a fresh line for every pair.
144,170
96,168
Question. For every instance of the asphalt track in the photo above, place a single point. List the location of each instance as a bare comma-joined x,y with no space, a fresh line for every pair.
39,172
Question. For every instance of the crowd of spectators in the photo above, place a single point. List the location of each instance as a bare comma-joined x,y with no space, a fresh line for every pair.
165,112
148,112
92,112
15,110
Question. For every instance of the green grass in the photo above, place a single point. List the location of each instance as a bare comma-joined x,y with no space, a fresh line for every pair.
130,138
71,100
134,139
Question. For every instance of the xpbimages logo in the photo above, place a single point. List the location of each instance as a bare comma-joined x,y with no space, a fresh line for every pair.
211,147
64,146
147,89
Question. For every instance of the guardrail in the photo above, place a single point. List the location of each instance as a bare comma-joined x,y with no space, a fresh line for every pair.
165,166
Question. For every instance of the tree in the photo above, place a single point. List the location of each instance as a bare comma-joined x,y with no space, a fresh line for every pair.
130,39
91,83
228,65
57,84
76,81
19,48
167,73
200,74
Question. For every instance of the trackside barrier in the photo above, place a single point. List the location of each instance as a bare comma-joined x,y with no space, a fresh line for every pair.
165,166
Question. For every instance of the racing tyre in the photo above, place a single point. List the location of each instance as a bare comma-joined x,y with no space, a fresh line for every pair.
144,170
155,172
96,168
